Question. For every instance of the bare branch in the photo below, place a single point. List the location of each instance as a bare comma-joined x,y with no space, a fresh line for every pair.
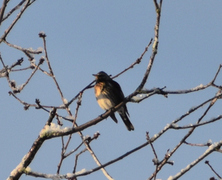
155,45
43,36
207,162
2,10
13,10
64,148
51,116
183,139
211,149
155,160
175,126
23,86
197,88
76,159
15,20
215,77
25,50
85,88
209,143
137,61
26,160
52,130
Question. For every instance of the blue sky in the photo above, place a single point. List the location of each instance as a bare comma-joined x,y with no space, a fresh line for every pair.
85,37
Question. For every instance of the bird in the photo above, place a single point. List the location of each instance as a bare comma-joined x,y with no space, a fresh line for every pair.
109,94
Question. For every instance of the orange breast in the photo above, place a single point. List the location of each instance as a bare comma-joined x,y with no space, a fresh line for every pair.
98,89
102,98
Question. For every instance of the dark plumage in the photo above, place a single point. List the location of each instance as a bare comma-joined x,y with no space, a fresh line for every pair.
109,94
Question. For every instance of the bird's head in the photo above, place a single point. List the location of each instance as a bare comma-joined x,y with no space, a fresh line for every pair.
101,76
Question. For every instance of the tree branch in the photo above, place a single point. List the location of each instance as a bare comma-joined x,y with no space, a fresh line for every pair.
211,149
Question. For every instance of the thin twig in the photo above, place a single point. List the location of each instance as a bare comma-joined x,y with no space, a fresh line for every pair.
76,159
215,77
23,86
25,50
13,10
210,150
155,160
155,46
136,62
194,109
199,145
6,32
74,150
207,162
64,148
175,126
43,36
182,140
85,88
2,10
62,155
114,160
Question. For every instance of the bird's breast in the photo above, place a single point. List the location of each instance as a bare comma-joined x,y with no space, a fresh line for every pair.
105,103
102,96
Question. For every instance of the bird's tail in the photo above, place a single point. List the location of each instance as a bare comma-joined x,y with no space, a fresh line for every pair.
126,120
114,118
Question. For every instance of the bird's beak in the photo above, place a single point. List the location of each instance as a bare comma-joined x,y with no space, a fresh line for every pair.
96,76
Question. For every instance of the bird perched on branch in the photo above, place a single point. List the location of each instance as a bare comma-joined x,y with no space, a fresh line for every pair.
109,94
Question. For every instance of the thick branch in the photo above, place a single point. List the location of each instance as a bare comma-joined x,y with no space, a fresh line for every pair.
26,160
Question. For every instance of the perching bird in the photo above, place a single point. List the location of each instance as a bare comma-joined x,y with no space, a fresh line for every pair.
109,94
